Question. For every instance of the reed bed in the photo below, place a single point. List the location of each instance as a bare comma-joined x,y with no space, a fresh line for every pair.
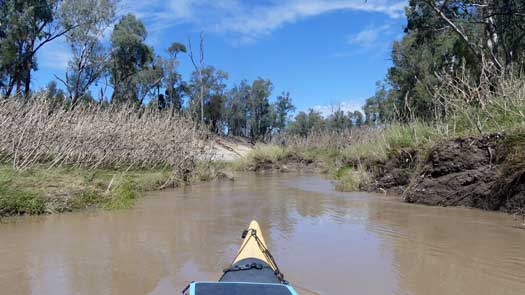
328,139
95,135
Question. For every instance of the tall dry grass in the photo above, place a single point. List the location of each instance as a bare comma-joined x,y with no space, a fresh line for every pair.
328,139
494,101
97,135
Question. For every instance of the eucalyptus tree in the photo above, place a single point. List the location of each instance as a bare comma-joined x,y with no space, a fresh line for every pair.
198,64
129,56
306,122
357,116
237,109
207,90
493,30
28,25
339,121
282,107
470,39
175,86
89,57
260,109
149,79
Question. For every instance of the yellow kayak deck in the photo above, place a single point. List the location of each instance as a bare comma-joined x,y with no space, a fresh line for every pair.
254,246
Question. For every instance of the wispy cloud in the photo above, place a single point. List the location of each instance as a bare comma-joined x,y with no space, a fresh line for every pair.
345,106
55,56
373,40
245,19
370,36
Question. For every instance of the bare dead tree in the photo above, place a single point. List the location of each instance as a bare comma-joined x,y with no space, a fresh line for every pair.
198,68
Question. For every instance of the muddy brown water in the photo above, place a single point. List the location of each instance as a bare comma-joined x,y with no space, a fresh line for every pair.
325,242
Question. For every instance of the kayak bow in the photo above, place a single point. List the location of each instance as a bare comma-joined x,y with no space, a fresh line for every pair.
253,248
253,271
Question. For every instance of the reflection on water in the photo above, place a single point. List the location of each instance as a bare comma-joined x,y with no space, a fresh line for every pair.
324,241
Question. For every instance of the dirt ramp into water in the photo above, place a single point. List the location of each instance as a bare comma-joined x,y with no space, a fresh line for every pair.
486,172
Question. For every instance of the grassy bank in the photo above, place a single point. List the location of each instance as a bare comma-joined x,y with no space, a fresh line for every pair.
40,190
347,157
368,152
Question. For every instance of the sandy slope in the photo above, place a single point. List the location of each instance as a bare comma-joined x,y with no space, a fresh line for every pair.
230,148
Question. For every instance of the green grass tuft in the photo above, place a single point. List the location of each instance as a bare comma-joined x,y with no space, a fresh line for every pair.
262,154
19,202
123,196
85,200
351,180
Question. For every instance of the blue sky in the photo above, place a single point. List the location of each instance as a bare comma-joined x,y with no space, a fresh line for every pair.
324,52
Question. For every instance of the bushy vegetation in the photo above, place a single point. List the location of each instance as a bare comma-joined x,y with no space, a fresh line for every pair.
452,58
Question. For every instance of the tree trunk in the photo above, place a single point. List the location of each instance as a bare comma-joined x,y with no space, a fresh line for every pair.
202,97
9,89
28,66
27,86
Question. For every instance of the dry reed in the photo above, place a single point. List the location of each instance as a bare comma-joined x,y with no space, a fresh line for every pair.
95,135
328,139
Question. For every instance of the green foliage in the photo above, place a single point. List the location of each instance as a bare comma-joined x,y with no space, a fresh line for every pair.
369,151
89,61
26,26
237,110
249,113
304,123
378,109
54,95
282,107
210,83
266,154
339,121
393,138
261,115
358,117
175,87
307,123
84,200
130,55
352,180
442,39
123,195
175,48
19,202
138,76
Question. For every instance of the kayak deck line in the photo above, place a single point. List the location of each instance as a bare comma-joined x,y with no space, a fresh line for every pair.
254,260
253,271
249,247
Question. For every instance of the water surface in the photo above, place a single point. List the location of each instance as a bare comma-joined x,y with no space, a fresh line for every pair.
324,241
